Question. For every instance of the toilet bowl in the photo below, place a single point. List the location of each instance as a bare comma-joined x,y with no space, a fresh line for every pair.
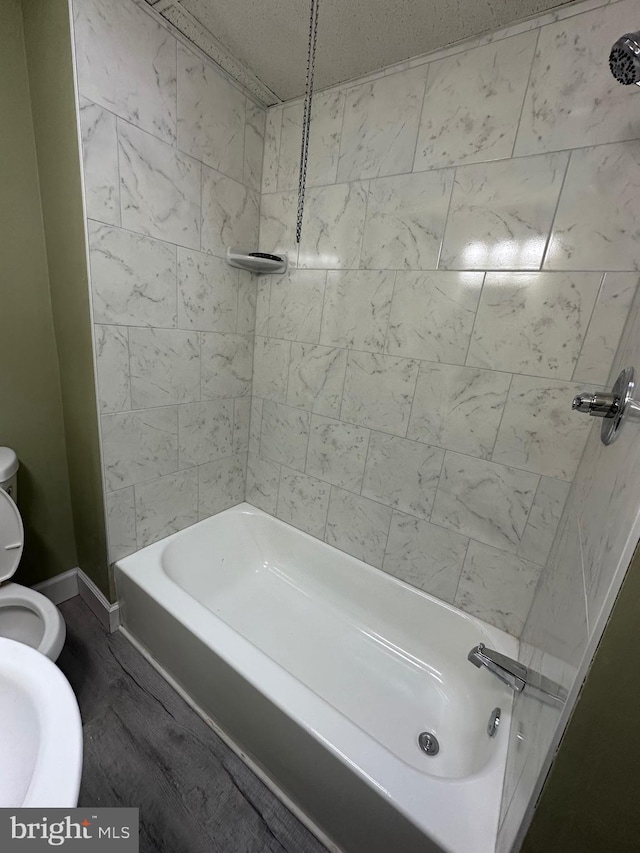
25,615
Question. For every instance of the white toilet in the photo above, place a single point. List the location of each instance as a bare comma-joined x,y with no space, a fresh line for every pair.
25,615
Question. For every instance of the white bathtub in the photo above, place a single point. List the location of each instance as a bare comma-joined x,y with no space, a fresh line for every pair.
324,671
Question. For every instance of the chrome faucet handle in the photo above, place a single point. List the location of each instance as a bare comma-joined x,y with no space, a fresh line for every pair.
614,407
596,405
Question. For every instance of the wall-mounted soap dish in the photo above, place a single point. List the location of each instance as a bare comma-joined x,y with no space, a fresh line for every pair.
257,262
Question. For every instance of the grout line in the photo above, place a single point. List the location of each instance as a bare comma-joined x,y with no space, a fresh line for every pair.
525,93
504,409
535,495
385,345
366,459
364,218
466,552
544,258
588,327
475,318
424,98
435,493
177,125
324,302
584,579
344,92
446,220
413,399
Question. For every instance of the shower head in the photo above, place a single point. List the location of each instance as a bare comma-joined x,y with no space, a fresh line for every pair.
624,59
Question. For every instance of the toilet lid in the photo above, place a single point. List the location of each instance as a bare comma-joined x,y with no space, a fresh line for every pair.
11,537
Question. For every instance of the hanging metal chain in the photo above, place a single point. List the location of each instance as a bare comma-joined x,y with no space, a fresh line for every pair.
306,118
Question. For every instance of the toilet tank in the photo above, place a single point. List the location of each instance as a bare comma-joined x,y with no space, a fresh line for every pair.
9,472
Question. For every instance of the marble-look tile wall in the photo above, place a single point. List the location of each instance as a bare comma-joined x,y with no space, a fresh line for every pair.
598,533
467,263
172,167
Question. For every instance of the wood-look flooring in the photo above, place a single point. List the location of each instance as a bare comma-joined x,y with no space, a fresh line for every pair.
145,747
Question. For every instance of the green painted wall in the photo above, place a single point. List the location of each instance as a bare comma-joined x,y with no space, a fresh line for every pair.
31,419
591,800
49,58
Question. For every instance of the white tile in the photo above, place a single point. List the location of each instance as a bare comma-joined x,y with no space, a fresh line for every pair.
263,477
425,555
607,321
166,505
100,162
271,369
358,526
316,378
263,298
381,126
221,484
501,213
227,364
241,424
159,188
205,432
165,367
485,501
472,104
296,305
332,226
284,435
324,141
405,220
337,452
211,115
432,314
255,425
542,523
278,225
247,297
272,134
127,63
596,226
497,587
539,431
207,292
572,99
253,145
139,446
378,391
356,309
303,502
121,523
133,278
230,214
458,408
112,365
402,474
533,322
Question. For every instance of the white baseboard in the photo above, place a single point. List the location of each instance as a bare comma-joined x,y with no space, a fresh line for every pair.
61,588
107,613
76,582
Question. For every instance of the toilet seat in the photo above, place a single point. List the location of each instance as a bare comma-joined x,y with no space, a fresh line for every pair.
54,628
16,597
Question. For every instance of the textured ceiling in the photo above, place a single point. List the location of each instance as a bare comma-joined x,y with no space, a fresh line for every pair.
355,37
